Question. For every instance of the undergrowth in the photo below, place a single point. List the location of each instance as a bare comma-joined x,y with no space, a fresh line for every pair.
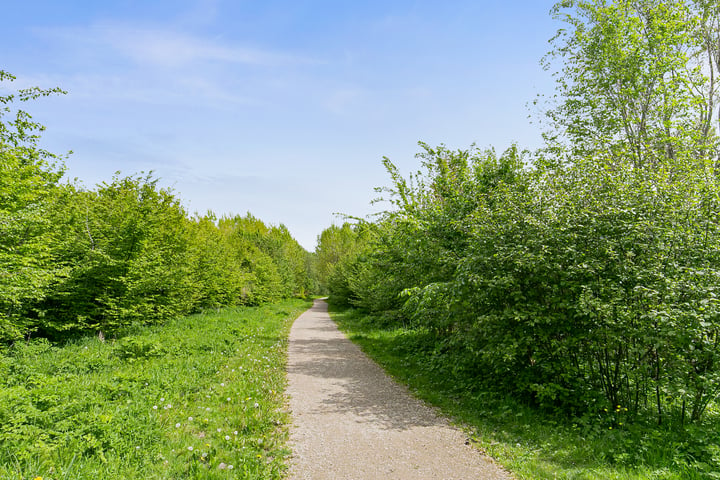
198,398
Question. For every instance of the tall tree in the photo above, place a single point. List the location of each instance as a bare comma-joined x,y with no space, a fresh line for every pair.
708,58
28,177
635,83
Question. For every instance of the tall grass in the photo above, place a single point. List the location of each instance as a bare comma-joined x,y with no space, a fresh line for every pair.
198,398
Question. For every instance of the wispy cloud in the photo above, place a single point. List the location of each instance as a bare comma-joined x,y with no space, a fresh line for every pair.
165,47
164,65
111,89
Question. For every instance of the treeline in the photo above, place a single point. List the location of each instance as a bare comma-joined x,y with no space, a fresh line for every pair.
583,277
76,259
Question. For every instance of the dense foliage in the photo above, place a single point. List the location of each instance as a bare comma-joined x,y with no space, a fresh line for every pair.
126,252
585,276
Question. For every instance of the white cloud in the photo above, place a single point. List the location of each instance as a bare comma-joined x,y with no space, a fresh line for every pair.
167,48
107,62
164,47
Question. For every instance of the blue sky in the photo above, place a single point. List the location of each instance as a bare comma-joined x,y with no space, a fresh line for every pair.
280,108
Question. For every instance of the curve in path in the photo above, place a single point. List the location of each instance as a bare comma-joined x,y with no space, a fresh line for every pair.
352,421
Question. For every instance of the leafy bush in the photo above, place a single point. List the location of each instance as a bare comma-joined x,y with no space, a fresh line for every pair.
578,288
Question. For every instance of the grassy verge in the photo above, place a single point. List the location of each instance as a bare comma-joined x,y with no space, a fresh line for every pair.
531,444
200,397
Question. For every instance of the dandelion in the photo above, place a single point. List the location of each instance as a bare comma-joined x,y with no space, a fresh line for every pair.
227,437
229,399
40,478
154,407
204,455
219,430
235,432
222,466
207,409
222,384
190,419
177,425
190,449
257,405
230,467
162,399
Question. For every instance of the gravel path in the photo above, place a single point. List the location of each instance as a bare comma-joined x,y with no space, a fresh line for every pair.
351,421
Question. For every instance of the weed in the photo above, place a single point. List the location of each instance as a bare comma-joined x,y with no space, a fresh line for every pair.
198,398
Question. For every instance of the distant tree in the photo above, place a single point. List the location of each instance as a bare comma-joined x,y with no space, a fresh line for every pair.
334,243
219,274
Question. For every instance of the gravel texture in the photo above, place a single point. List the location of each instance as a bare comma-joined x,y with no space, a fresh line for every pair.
352,421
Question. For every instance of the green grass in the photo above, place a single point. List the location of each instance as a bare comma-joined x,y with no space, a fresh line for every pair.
533,444
198,398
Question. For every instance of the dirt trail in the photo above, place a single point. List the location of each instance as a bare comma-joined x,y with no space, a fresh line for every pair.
351,421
